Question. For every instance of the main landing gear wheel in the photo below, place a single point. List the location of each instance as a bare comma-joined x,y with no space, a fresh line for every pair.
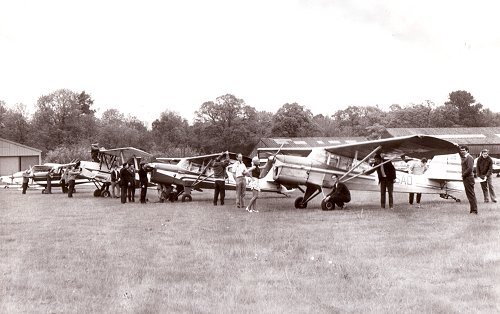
299,203
186,198
327,205
105,194
97,193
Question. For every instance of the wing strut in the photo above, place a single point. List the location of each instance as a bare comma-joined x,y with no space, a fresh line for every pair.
359,163
379,165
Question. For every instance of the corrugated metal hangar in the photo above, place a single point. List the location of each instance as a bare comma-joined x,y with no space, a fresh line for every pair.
16,157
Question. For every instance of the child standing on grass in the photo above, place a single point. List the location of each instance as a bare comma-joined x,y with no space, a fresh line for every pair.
254,172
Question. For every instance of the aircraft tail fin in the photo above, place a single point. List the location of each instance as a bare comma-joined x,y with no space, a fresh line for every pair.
445,167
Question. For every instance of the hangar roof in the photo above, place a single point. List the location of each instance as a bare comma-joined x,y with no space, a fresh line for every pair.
10,148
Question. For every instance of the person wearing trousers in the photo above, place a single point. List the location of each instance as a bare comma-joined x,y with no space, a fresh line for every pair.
468,178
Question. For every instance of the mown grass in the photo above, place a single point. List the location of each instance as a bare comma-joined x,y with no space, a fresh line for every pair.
95,255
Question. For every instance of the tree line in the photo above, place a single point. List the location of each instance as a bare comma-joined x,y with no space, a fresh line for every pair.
64,124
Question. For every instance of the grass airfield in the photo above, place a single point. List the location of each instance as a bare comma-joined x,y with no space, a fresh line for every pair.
96,255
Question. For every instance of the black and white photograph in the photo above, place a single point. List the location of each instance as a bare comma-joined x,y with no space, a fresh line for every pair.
229,156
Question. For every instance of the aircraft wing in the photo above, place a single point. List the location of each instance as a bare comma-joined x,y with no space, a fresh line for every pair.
265,152
127,152
418,146
203,159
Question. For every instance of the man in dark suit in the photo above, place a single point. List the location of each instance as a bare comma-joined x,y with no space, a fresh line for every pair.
125,177
386,176
143,178
468,177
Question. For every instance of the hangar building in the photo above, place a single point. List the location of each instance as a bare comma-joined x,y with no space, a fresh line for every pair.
16,157
475,138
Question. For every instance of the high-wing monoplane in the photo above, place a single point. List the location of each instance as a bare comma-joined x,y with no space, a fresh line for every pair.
196,173
39,174
350,163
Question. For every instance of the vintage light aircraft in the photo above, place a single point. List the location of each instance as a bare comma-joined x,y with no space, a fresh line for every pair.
349,162
39,174
98,171
196,173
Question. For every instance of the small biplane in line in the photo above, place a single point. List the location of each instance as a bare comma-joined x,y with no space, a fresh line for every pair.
196,173
311,170
98,171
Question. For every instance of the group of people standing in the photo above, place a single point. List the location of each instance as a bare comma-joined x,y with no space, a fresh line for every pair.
240,173
123,183
484,170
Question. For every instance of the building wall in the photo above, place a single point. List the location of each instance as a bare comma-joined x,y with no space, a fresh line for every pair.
15,157
9,165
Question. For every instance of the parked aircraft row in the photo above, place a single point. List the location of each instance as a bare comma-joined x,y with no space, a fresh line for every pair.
309,170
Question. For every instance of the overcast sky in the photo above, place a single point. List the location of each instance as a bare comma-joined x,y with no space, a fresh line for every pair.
143,57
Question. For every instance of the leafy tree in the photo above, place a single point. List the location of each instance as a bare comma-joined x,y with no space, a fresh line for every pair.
357,121
63,117
117,130
226,124
15,124
326,126
68,153
170,131
410,116
445,116
293,120
469,112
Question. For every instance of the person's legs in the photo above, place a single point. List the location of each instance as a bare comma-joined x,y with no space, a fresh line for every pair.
124,194
419,197
410,198
484,188
382,193
251,204
491,190
71,188
216,192
390,188
240,191
471,196
222,192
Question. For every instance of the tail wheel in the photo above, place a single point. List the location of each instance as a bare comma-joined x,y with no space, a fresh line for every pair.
299,202
97,193
186,198
105,194
327,205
